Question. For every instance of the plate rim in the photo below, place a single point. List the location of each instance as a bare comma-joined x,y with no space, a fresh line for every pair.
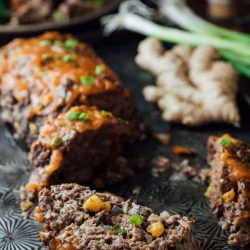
8,29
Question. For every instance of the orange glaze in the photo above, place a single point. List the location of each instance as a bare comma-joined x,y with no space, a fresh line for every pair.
55,163
24,70
239,170
61,126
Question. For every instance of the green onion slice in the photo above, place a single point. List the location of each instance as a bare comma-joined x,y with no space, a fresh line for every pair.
226,142
87,80
77,116
58,43
46,56
118,230
104,113
74,116
99,69
56,141
45,43
83,116
69,58
136,219
100,3
70,44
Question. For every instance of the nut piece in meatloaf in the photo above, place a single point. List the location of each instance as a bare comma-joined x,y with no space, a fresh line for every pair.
74,217
72,147
229,190
46,75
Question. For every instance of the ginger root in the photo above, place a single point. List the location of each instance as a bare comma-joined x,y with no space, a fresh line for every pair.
193,86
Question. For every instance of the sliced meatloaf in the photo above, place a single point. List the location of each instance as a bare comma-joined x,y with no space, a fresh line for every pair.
46,75
72,147
229,190
75,217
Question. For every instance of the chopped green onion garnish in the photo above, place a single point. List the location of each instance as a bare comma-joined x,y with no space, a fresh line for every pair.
74,116
69,58
71,44
46,56
83,116
118,230
58,16
44,73
99,69
104,113
58,43
209,190
77,116
87,80
45,43
58,56
226,142
57,141
100,3
136,219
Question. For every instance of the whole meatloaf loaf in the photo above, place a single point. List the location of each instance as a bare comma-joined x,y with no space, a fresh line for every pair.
72,148
229,190
74,217
46,75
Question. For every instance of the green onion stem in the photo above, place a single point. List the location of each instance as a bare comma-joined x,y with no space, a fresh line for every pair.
179,13
230,56
143,26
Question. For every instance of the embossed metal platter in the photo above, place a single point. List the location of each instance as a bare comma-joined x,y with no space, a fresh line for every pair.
162,193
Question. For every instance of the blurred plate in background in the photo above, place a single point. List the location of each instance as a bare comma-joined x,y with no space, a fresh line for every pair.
62,25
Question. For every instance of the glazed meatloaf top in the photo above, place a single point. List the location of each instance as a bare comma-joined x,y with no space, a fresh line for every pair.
37,69
75,121
74,217
73,133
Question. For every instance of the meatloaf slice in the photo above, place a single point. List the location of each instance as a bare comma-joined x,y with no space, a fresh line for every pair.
75,217
46,75
72,147
229,190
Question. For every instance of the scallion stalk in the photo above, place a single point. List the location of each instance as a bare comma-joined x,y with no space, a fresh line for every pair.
179,13
139,24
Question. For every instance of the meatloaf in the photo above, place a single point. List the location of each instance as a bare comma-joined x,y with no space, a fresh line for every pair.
72,147
75,217
46,75
229,190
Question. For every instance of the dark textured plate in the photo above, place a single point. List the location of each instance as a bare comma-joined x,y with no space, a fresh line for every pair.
165,192
77,21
